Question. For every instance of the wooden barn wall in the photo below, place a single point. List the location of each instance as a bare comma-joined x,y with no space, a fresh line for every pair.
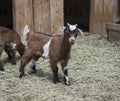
96,16
101,13
47,15
22,14
41,16
57,19
108,13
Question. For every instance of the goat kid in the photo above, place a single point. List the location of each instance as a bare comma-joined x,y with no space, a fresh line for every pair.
10,42
56,47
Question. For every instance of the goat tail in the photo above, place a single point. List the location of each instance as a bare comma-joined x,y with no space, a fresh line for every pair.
62,29
26,32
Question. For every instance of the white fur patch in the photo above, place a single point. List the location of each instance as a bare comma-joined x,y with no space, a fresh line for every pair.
72,27
67,80
46,49
65,68
26,31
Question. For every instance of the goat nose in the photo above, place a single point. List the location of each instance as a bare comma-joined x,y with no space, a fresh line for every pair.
72,40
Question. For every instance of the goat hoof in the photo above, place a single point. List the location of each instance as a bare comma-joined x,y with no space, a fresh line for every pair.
13,63
67,83
55,81
2,69
58,81
33,72
21,75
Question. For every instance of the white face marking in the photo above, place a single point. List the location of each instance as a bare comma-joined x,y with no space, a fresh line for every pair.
71,39
72,27
46,49
26,31
33,63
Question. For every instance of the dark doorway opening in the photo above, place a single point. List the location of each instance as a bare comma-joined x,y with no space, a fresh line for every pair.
77,11
6,14
117,12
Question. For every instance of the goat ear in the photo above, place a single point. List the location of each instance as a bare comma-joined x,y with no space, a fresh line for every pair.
76,25
80,31
67,26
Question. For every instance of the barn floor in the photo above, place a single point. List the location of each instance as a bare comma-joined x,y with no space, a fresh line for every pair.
94,71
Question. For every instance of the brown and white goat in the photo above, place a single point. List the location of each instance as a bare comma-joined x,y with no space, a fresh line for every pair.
55,47
10,42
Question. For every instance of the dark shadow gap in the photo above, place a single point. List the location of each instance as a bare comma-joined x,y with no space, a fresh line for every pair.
77,11
6,14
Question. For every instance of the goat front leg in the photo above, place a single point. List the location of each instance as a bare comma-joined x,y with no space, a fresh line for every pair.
11,54
1,66
55,72
8,51
13,60
65,72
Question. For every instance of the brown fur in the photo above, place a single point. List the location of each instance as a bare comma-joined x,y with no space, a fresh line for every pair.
59,50
8,36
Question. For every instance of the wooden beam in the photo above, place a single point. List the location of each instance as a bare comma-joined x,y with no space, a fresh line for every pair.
22,15
42,16
57,19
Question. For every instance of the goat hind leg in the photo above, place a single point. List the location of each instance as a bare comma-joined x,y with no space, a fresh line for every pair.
33,66
1,65
23,63
36,57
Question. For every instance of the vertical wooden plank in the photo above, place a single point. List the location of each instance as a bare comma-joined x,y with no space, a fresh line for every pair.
57,19
116,17
91,25
98,16
42,16
22,15
108,13
101,13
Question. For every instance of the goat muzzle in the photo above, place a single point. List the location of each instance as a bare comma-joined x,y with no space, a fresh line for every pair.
72,40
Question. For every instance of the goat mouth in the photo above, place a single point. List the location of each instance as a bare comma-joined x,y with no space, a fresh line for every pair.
72,43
